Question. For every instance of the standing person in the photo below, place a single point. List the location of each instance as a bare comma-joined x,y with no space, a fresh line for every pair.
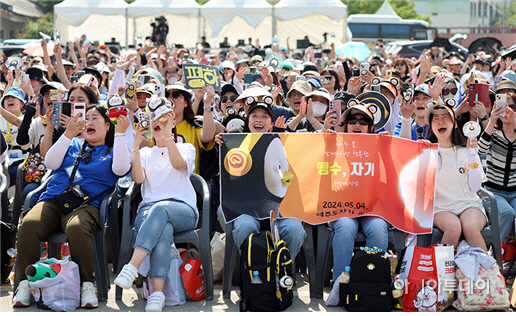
457,210
498,142
168,205
104,160
357,119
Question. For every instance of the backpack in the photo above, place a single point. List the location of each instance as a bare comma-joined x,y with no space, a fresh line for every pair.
275,269
370,284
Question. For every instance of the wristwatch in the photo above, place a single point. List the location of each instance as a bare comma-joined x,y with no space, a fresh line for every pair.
485,118
208,109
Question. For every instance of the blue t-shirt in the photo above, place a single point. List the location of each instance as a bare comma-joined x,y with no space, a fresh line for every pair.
93,177
414,135
282,111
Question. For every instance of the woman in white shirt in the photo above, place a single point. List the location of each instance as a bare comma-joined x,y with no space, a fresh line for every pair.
168,206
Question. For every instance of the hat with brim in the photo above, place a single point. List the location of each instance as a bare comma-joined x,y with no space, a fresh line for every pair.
438,108
228,88
255,89
262,105
241,61
68,63
311,73
358,109
321,92
422,88
389,86
15,92
148,88
179,87
314,81
51,86
36,59
506,84
36,73
257,57
300,86
93,71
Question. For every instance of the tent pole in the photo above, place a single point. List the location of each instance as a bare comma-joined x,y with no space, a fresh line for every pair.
199,26
126,29
273,22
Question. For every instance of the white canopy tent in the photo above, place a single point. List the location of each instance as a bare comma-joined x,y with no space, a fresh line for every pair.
182,18
296,19
238,19
99,20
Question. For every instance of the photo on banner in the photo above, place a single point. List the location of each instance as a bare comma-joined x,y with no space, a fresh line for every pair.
197,76
343,175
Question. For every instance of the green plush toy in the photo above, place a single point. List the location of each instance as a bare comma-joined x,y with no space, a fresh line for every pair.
41,270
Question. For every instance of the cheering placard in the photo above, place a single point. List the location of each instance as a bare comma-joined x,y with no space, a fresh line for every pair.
197,76
343,175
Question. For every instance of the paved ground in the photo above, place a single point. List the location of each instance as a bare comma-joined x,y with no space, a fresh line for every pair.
132,301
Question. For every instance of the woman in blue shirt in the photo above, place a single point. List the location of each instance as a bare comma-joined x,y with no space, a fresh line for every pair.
105,158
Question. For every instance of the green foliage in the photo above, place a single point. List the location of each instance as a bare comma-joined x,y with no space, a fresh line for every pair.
48,5
404,8
44,24
510,15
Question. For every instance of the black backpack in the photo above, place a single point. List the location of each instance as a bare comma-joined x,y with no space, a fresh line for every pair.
273,265
370,284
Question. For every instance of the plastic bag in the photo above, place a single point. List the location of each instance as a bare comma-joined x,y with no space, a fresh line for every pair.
218,245
61,293
174,289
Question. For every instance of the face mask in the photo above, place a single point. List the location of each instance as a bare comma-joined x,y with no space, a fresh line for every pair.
318,108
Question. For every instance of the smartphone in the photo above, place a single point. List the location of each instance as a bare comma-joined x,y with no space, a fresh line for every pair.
300,78
79,109
80,73
336,106
74,79
144,119
318,62
375,88
326,79
159,90
500,100
356,73
129,90
143,79
389,73
318,55
478,92
25,78
408,90
60,108
364,68
82,62
252,69
248,77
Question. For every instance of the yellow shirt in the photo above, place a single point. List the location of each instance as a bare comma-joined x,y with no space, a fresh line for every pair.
193,136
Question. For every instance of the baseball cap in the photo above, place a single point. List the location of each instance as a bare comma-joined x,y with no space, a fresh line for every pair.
36,73
320,92
358,109
423,88
261,104
51,85
148,88
438,108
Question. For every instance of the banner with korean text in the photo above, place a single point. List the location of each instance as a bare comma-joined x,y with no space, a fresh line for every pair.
319,178
197,76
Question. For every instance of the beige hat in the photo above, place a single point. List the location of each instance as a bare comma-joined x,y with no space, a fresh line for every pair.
438,108
358,109
320,92
178,86
301,86
506,84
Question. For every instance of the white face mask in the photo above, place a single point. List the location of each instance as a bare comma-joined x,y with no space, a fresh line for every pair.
318,108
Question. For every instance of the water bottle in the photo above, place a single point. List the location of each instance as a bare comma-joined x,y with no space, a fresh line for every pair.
344,278
256,278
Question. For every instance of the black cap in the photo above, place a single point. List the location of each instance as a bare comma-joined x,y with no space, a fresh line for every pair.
263,105
228,88
36,73
93,71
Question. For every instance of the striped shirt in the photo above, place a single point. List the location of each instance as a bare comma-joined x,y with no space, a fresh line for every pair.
501,160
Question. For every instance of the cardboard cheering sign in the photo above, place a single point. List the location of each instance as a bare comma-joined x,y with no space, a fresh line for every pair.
197,76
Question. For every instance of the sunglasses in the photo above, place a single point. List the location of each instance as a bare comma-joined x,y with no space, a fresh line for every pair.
400,64
359,121
174,94
448,91
225,98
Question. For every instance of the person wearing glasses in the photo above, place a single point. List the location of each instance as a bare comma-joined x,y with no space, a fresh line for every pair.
189,129
357,119
105,158
403,67
228,96
497,142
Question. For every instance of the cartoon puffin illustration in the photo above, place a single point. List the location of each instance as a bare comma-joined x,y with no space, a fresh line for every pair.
116,106
257,178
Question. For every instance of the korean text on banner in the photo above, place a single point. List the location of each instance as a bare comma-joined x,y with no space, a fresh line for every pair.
197,76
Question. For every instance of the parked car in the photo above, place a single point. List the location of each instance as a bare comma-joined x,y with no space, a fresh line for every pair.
409,49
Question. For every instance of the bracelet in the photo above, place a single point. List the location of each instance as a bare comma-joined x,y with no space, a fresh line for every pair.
123,135
169,138
135,151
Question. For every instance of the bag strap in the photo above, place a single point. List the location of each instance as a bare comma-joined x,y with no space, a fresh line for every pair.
76,162
98,195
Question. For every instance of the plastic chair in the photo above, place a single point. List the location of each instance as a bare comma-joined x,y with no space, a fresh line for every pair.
56,240
231,252
324,244
199,237
491,232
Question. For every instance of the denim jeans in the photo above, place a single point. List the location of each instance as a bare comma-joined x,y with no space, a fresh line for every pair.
29,187
506,202
290,229
156,224
345,231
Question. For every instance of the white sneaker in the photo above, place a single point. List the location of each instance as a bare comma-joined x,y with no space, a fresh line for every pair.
126,277
89,296
23,295
155,302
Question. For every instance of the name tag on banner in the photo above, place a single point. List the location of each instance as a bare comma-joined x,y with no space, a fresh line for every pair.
197,76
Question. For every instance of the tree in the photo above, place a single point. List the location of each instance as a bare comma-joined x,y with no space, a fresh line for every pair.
510,15
48,5
403,8
44,24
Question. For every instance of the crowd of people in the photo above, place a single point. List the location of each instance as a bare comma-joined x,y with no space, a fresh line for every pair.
184,127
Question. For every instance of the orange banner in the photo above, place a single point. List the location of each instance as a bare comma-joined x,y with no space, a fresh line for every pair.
319,178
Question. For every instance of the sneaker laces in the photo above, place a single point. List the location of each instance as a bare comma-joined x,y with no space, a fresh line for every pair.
88,291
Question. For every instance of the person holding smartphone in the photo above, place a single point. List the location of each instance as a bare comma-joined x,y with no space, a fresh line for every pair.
497,142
